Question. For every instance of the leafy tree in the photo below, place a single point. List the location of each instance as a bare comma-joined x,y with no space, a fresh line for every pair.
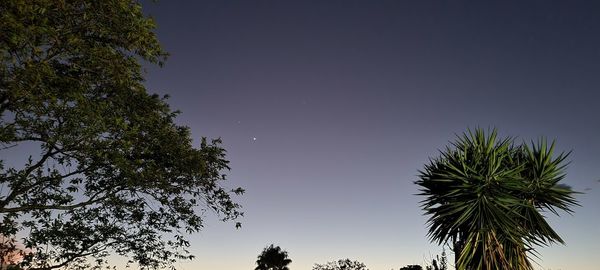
412,267
342,264
109,171
273,258
486,196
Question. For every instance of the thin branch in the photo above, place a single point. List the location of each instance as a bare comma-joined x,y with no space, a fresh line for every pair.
52,207
93,199
14,193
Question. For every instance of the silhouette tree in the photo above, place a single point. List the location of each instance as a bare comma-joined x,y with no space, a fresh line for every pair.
345,264
439,263
486,195
412,267
107,171
273,258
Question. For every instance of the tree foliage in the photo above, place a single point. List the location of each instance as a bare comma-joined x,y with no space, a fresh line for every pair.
273,258
412,267
109,171
342,264
487,197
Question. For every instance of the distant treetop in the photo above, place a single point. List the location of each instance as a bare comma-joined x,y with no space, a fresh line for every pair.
342,264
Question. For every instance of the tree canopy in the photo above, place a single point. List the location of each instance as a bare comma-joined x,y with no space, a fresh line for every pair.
487,197
273,258
412,267
108,170
342,264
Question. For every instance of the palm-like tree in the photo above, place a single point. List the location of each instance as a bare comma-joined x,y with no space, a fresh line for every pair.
486,197
273,258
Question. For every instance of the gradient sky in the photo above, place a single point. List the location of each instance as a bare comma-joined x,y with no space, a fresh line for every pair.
328,109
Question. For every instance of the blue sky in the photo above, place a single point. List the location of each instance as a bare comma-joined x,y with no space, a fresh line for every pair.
328,109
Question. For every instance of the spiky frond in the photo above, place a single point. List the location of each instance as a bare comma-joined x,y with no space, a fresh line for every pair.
485,195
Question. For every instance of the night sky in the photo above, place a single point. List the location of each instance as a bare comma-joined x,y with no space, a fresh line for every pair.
328,109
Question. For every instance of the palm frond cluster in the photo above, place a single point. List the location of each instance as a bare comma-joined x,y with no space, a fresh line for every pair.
487,197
